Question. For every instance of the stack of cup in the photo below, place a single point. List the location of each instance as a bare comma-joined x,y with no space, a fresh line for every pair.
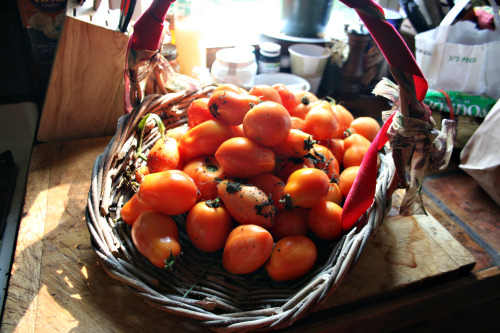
309,62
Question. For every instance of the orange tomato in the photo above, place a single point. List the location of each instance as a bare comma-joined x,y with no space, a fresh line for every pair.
297,123
292,257
267,123
354,156
265,93
356,139
344,118
303,103
170,192
297,144
198,112
176,132
247,204
242,157
287,96
132,209
306,188
203,139
164,155
334,194
156,237
206,172
324,220
365,126
346,179
321,122
291,165
247,248
271,185
231,107
140,173
230,87
290,222
324,160
207,225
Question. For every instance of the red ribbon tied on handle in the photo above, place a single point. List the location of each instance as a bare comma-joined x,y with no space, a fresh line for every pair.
399,58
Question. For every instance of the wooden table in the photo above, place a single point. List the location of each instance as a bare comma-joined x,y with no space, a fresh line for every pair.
416,274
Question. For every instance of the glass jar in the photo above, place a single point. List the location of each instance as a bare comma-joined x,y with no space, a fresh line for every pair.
235,65
269,57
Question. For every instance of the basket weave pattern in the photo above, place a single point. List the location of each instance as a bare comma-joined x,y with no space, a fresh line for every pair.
197,286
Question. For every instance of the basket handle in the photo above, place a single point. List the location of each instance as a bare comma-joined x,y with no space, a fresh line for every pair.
412,89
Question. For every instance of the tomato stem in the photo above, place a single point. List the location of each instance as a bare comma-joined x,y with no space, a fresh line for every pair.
142,126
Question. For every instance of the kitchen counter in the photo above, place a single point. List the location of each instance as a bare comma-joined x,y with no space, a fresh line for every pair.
438,272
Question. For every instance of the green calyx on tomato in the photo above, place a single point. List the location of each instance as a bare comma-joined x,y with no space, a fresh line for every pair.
309,143
142,125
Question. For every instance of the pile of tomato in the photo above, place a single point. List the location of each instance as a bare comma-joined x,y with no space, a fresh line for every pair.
260,174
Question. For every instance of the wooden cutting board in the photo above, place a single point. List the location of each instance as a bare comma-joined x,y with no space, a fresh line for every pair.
58,285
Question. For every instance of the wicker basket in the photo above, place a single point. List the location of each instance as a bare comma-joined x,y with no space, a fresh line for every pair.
197,286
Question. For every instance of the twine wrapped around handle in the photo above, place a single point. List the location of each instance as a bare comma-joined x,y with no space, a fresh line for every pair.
412,90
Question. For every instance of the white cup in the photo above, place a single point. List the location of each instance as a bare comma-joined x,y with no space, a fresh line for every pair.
309,61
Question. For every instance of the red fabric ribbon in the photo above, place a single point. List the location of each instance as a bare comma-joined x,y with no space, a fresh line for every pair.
398,55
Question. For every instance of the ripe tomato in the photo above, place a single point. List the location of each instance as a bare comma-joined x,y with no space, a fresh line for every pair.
287,96
321,122
132,209
237,130
297,144
176,132
324,160
231,107
242,157
354,156
140,173
230,87
198,112
365,126
247,248
265,93
291,165
355,139
271,185
306,188
170,192
346,179
267,123
247,204
206,172
336,146
164,155
203,139
334,194
207,225
344,118
303,103
297,123
157,238
290,222
324,220
292,257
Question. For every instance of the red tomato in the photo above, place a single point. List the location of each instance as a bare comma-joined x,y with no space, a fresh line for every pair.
206,172
231,107
287,96
321,122
304,101
242,157
198,112
324,220
290,222
297,123
306,188
203,139
292,257
164,155
247,204
170,192
238,130
324,160
207,225
297,144
247,248
132,209
265,93
267,123
271,185
157,238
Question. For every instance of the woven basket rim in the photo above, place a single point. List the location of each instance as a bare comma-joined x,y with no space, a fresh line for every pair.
208,295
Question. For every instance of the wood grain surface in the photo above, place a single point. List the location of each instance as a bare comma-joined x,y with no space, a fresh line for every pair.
58,285
86,88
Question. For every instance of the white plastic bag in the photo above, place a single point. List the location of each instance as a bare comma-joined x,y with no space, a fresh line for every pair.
460,57
480,158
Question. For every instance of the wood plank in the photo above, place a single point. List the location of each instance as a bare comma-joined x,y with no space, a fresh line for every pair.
86,88
69,290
